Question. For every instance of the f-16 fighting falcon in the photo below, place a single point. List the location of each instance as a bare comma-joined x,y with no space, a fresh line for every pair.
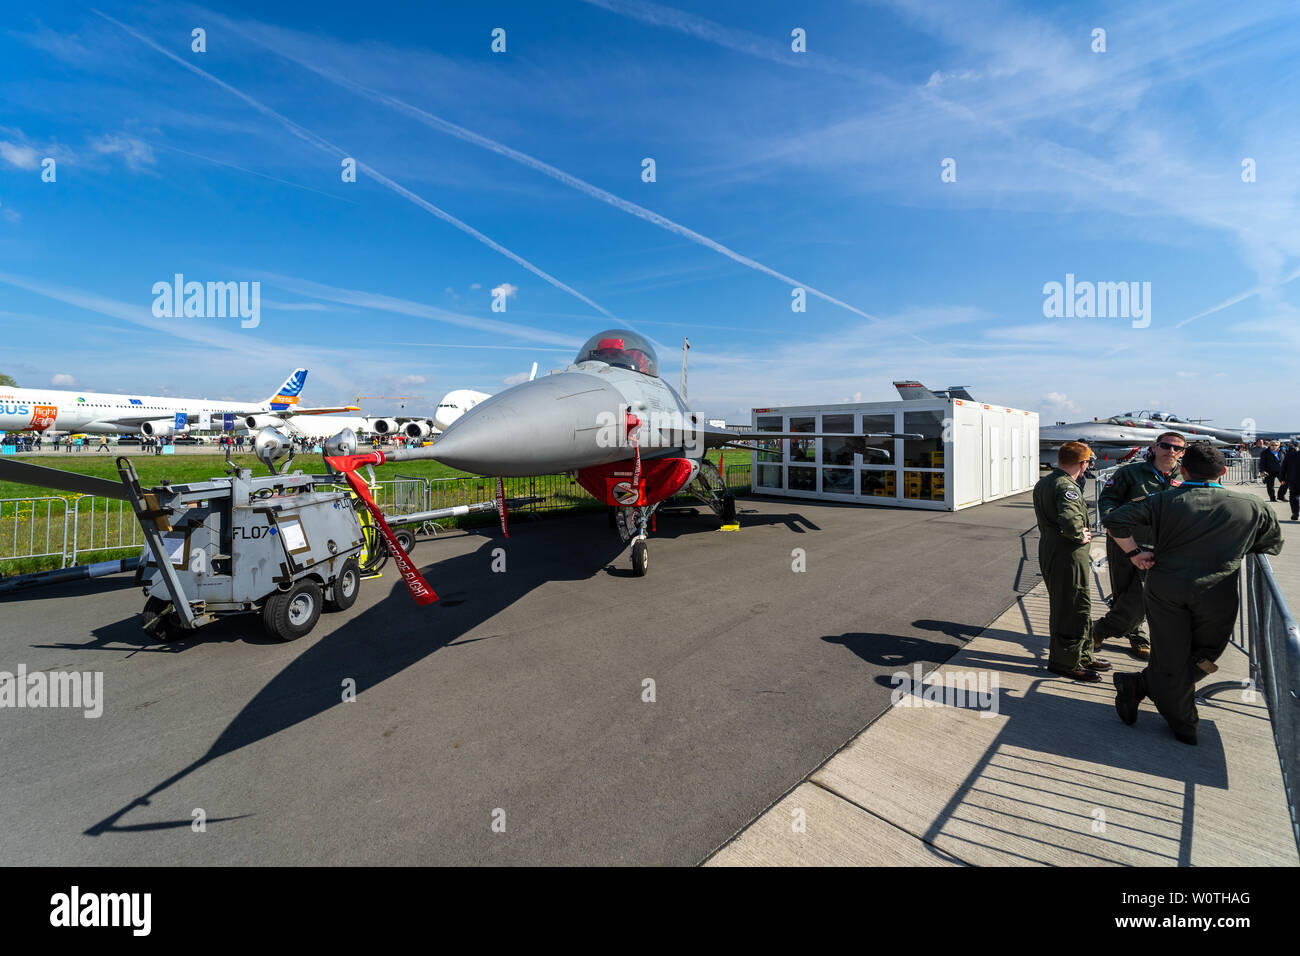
629,438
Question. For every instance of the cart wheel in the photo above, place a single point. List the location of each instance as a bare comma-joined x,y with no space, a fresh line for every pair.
291,614
406,539
343,593
165,629
728,509
640,559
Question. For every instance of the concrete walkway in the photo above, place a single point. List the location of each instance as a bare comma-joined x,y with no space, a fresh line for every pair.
1053,777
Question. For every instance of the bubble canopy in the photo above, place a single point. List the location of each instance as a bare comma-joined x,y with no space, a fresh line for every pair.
621,348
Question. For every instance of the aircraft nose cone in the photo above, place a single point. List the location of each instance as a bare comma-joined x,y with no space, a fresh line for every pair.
537,428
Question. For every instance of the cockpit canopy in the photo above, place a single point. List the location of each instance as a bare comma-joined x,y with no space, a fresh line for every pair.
621,348
1153,416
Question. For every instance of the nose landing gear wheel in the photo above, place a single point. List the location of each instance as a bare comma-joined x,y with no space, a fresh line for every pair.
640,558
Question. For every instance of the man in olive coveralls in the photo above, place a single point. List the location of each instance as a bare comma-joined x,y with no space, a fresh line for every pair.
1201,531
1063,536
1134,482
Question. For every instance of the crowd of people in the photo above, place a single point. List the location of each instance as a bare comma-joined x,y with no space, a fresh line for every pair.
1175,542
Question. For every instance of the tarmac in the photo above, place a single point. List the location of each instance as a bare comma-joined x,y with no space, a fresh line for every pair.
561,712
565,712
1044,773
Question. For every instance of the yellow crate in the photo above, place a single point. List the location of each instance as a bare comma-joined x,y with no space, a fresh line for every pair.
936,459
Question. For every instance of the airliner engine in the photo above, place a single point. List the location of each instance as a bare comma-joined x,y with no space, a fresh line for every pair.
418,429
258,422
162,428
384,426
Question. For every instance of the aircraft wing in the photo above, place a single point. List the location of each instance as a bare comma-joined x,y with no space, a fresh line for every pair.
715,437
29,474
290,412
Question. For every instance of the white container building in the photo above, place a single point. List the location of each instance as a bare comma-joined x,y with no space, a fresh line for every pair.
971,452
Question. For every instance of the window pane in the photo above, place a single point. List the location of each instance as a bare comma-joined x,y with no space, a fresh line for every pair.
837,451
803,450
837,423
802,478
926,452
879,484
923,485
769,476
878,423
771,449
837,481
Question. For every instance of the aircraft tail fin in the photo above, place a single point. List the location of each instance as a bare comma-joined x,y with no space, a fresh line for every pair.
911,391
960,391
533,374
287,396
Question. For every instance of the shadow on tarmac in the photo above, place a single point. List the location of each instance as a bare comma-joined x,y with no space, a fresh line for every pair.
393,634
1046,738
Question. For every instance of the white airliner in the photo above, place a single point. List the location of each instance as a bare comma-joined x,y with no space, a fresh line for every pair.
456,403
42,409
453,405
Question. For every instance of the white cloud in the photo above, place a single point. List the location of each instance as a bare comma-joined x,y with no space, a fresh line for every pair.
475,285
1057,401
515,379
63,378
22,157
135,153
505,290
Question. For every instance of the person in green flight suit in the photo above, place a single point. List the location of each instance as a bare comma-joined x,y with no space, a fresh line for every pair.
1200,532
1063,536
1134,482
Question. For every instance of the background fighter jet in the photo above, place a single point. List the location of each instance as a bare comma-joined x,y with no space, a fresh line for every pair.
1168,421
625,433
1114,439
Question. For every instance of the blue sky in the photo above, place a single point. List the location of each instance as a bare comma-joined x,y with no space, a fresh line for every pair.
773,168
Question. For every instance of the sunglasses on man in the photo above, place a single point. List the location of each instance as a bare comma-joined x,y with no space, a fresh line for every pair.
1168,447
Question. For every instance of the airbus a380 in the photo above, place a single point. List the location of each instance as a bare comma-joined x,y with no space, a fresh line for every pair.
43,409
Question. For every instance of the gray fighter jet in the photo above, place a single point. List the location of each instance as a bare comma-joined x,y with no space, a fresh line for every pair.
629,438
1112,440
1168,421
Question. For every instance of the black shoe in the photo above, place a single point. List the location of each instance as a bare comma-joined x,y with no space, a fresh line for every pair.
1185,738
1127,697
1082,674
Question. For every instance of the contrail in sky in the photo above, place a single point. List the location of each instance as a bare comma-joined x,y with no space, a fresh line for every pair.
309,137
469,136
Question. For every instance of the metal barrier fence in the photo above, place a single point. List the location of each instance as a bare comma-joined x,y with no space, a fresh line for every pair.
69,528
101,524
1242,471
1270,635
33,528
